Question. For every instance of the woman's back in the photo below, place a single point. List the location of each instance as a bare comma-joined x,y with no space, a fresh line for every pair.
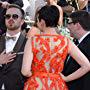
50,52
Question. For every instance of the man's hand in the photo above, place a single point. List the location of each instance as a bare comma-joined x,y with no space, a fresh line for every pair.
6,57
5,4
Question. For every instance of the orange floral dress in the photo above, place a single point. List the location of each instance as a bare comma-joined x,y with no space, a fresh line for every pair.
50,52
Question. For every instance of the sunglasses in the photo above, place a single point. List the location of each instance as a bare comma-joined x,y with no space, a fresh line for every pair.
8,16
70,22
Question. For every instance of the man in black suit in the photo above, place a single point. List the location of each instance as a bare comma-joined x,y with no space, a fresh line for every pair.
3,6
11,50
79,26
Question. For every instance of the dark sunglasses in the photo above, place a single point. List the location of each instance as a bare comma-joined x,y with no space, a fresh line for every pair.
70,22
14,16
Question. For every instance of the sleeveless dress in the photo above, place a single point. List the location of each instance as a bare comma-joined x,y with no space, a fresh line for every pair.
50,52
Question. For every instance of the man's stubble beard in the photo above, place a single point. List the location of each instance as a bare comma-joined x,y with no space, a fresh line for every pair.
13,28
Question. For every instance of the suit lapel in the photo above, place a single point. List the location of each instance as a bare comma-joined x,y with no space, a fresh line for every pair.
84,40
17,47
79,45
19,43
2,43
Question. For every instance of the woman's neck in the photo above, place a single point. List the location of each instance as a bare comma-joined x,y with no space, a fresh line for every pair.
49,30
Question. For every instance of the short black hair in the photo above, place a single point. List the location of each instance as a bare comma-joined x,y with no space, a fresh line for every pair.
50,14
18,7
82,17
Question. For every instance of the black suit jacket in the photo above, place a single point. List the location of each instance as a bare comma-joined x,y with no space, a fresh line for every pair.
82,83
10,74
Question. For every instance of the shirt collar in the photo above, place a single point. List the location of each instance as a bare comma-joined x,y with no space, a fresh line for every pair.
16,35
81,39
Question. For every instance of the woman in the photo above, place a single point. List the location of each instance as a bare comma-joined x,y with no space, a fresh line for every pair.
45,54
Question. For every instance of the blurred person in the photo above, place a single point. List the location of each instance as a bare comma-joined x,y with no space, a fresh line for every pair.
79,26
33,6
70,6
54,2
3,6
45,53
67,8
11,50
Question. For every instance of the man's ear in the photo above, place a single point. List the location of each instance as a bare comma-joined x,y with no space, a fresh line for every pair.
22,22
78,25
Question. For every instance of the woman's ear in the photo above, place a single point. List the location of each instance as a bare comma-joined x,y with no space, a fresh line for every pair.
43,24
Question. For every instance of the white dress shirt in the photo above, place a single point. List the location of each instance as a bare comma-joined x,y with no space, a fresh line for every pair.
81,39
11,43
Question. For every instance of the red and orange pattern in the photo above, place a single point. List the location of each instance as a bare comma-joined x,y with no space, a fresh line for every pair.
50,52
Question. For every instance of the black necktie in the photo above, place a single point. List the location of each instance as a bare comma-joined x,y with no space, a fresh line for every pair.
8,38
76,42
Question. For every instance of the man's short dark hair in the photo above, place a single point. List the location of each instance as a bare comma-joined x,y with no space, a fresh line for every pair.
82,17
18,7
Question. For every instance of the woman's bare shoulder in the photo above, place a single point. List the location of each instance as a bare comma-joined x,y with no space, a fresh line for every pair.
33,31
